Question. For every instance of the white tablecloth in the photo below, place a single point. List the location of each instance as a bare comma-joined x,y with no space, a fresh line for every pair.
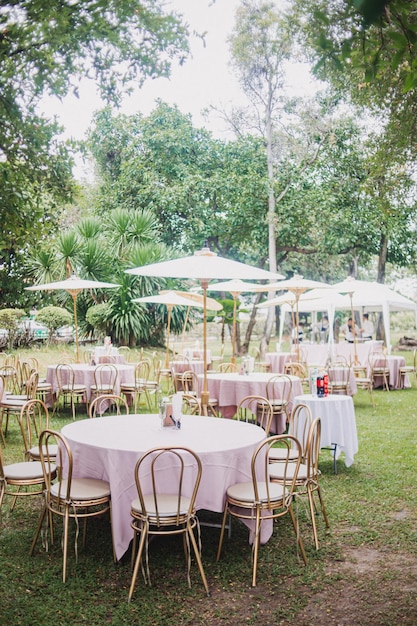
229,389
109,447
338,422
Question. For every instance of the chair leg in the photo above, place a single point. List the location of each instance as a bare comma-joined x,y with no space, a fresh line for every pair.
143,538
198,559
38,529
313,515
323,508
65,545
219,549
256,541
297,534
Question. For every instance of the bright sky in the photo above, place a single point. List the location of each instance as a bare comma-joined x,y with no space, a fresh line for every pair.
205,79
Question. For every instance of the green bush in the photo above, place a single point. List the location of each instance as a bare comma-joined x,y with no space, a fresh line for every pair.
53,317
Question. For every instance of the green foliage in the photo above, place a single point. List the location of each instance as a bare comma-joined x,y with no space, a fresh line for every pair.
45,47
53,317
9,320
98,317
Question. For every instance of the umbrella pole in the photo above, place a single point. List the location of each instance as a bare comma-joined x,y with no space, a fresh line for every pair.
205,394
297,319
74,299
233,359
184,327
169,307
355,352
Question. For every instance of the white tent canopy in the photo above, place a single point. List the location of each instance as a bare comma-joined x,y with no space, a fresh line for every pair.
368,297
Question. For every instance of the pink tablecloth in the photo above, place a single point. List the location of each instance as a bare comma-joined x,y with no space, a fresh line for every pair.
278,360
393,363
179,367
108,448
84,374
229,389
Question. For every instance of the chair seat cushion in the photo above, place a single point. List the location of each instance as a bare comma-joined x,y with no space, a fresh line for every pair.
245,492
35,453
82,489
167,505
276,471
281,454
24,471
78,388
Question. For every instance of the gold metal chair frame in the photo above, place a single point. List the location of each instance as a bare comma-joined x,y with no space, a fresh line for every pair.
261,499
110,401
170,513
69,498
307,476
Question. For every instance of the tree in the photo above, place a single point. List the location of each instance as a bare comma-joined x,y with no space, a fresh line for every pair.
45,47
54,317
368,51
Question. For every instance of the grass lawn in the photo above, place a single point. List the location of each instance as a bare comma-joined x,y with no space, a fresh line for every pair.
365,572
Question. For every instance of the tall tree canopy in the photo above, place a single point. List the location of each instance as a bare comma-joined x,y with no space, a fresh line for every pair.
45,47
368,51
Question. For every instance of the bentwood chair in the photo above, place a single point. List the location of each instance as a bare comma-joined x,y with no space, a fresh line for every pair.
69,497
255,410
298,427
112,404
105,380
339,378
189,383
379,370
33,419
25,479
68,390
166,506
278,394
307,476
11,404
260,499
138,387
406,370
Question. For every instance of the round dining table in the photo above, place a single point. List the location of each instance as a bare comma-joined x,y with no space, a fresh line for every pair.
109,447
230,388
338,423
84,374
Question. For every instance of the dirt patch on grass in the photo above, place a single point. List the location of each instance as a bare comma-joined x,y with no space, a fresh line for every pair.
366,587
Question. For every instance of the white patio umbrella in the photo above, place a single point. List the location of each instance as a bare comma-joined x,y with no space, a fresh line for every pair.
204,265
297,285
235,287
171,299
73,285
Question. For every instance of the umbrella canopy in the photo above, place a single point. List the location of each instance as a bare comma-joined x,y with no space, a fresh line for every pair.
171,299
73,285
212,305
297,285
204,265
236,287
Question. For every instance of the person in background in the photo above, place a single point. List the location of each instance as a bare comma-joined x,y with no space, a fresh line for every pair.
367,329
350,330
300,333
